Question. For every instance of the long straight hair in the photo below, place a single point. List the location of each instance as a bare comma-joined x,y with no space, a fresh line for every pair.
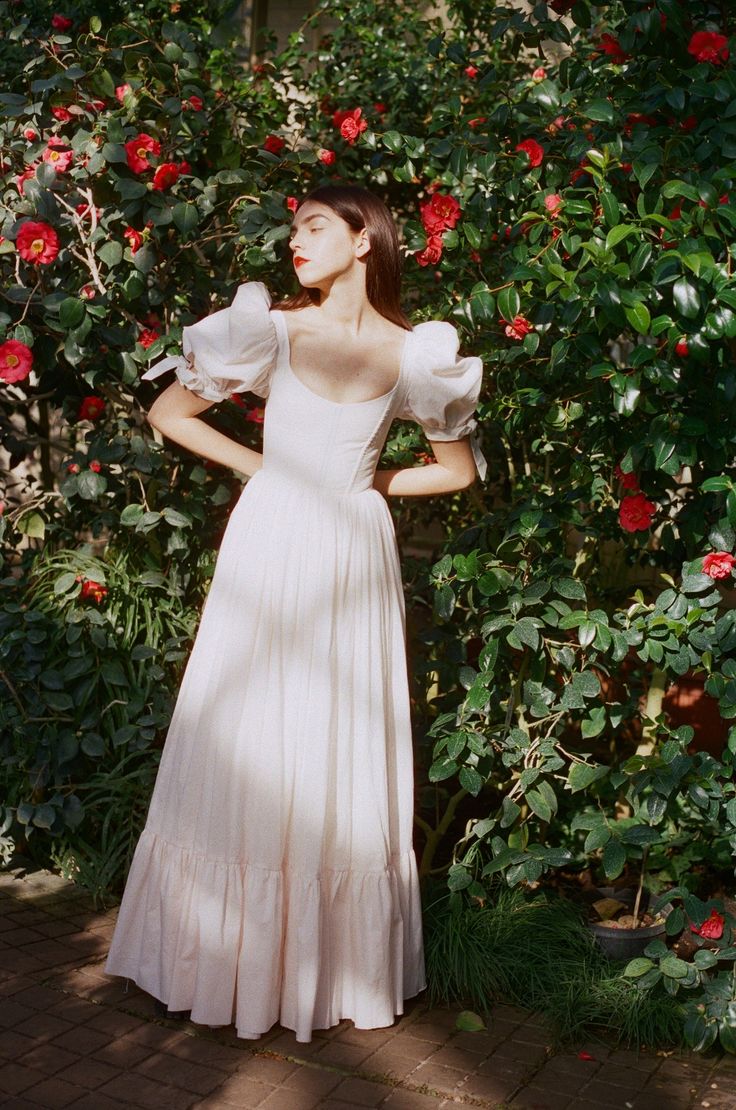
360,208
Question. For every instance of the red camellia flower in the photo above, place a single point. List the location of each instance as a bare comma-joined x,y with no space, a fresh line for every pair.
16,361
708,46
121,91
61,113
95,105
353,126
516,328
327,157
96,466
135,239
439,213
473,123
628,479
88,292
539,73
147,337
60,22
612,47
37,242
165,176
712,928
681,348
689,123
553,204
379,108
432,253
274,144
471,72
194,103
292,204
184,168
719,564
91,408
137,150
635,513
60,159
93,591
533,151
561,7
255,415
30,134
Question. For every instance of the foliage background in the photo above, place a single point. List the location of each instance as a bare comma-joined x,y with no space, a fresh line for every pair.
544,634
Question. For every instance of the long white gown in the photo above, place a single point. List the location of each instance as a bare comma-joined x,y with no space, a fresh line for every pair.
275,878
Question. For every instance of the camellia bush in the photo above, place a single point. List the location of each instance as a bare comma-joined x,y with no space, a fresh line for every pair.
564,179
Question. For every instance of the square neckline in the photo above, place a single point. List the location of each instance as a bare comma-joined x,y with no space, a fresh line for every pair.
320,397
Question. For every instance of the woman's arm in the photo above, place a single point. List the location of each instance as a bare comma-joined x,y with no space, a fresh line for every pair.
174,413
454,469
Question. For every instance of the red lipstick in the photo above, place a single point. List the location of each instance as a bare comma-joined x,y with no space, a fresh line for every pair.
298,261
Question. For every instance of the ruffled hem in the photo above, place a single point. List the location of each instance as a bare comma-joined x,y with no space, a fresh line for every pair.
237,943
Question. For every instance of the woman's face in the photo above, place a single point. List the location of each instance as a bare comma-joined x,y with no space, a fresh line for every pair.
323,245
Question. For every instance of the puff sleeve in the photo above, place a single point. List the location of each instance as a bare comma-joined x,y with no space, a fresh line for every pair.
232,350
444,388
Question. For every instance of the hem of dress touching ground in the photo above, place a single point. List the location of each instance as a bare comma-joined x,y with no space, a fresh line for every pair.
251,1036
391,866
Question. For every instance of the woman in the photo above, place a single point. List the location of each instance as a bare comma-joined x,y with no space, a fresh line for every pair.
275,878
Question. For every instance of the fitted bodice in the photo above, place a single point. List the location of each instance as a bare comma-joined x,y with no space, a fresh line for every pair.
329,445
335,445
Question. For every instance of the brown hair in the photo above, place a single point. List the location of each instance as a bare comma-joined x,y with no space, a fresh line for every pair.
360,208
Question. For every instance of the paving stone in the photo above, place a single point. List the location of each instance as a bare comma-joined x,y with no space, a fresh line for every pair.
123,1053
238,1091
179,1073
265,1069
16,1078
286,1043
13,1045
437,1076
43,1027
497,1087
48,1057
610,1094
338,1054
386,1061
360,1092
140,1091
88,1072
83,1039
538,1098
284,1098
401,1099
313,1079
54,1092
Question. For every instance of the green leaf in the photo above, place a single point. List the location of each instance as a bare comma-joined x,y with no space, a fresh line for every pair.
538,805
469,1022
637,314
186,217
600,110
686,298
640,966
509,303
71,312
581,775
618,233
614,858
674,968
111,253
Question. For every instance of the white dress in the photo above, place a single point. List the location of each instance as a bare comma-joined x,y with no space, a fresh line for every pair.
275,878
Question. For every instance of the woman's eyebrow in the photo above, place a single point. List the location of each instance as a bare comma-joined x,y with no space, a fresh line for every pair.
316,216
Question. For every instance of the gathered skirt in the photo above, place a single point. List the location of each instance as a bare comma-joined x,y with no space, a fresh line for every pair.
275,878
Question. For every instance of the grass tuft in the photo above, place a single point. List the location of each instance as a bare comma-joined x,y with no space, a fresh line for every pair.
536,952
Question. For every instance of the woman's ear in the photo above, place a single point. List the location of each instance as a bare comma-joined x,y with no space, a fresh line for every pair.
362,243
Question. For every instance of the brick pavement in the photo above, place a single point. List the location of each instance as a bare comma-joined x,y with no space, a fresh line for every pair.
71,1036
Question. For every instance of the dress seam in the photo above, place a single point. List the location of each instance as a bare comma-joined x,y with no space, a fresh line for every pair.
398,857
